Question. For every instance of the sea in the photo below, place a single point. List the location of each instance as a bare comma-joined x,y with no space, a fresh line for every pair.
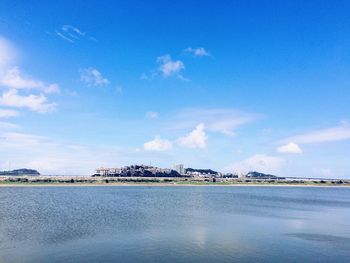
174,224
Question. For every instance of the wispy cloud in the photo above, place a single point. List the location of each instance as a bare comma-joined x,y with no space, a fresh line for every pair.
37,103
64,37
93,77
224,121
72,34
198,52
336,133
195,139
157,144
22,140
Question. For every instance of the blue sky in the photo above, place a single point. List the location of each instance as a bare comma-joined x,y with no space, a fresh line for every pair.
229,85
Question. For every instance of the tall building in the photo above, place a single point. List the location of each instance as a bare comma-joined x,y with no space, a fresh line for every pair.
179,168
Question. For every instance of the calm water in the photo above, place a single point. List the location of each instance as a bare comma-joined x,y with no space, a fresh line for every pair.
174,224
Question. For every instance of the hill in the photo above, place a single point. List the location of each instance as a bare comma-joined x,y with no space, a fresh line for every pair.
19,172
258,175
200,171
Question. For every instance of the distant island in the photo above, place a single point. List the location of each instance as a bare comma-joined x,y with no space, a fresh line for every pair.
152,171
257,175
178,171
20,172
136,171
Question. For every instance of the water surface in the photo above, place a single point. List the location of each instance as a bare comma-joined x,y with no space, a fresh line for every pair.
174,224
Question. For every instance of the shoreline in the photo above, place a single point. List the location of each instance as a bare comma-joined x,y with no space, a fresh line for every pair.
16,184
84,181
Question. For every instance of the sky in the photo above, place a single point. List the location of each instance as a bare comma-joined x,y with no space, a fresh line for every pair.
233,86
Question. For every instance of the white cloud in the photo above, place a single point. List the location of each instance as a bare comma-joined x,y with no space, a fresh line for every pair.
157,144
72,34
38,103
198,52
93,77
337,133
259,162
195,139
224,121
169,67
152,115
290,148
13,78
4,113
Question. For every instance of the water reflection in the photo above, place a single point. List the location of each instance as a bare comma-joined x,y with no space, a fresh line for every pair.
174,224
339,241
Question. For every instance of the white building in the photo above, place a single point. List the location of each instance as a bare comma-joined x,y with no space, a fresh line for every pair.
179,168
107,171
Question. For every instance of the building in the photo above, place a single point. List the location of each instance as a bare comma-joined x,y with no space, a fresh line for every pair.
179,168
107,171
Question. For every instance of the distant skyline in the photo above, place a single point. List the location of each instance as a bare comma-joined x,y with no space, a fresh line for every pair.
228,85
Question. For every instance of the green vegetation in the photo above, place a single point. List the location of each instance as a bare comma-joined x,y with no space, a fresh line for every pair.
61,181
